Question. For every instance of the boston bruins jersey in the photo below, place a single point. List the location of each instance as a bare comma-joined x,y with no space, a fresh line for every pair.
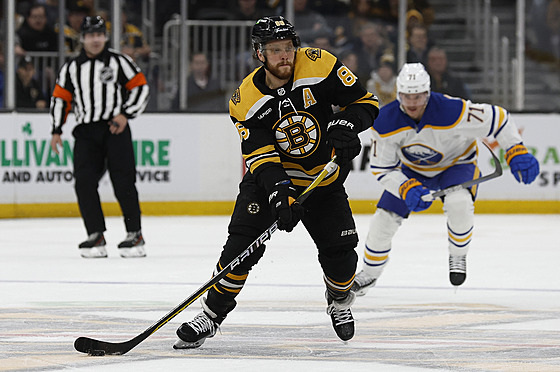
284,131
445,136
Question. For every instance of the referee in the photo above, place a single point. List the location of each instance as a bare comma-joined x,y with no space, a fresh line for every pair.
105,89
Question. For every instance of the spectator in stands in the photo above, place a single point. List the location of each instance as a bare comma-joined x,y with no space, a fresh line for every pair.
72,30
360,14
418,44
383,81
133,42
247,10
369,49
350,59
322,39
204,93
386,10
35,34
441,80
51,8
413,18
28,90
424,7
307,21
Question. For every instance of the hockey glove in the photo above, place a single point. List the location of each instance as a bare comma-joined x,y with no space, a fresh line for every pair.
283,205
342,136
411,192
523,166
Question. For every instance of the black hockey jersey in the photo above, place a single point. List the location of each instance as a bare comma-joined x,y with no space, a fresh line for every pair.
288,126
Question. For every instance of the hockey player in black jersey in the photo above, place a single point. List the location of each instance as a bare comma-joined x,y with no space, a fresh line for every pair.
283,113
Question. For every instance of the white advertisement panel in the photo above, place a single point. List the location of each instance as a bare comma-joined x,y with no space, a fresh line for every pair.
179,158
196,157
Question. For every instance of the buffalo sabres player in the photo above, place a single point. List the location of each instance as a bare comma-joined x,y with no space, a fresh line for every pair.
283,113
427,141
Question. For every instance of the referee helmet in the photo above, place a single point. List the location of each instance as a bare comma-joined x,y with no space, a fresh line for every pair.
93,24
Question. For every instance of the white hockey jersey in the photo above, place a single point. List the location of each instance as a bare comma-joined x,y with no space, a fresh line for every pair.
445,136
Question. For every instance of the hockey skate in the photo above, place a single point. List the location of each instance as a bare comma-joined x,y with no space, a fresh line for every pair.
94,246
132,245
457,269
341,316
193,334
362,283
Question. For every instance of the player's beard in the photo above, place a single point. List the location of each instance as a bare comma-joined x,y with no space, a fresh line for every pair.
282,70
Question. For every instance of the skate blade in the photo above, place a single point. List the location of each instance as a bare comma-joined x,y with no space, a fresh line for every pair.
93,252
180,344
132,252
361,292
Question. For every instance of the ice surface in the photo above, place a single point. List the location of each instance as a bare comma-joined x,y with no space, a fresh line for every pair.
505,316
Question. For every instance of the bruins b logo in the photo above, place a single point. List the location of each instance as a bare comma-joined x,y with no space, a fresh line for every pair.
297,135
236,97
313,53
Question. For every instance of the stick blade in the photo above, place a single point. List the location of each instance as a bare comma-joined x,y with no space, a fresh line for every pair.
93,347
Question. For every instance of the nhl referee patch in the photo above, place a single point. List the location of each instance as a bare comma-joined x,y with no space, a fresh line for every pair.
106,75
253,208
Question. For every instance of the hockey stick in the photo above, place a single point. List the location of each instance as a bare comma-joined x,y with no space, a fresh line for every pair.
100,348
497,173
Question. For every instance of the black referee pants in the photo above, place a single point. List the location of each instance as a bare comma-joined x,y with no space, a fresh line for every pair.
95,151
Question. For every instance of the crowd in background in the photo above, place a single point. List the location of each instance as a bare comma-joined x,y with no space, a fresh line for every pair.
362,33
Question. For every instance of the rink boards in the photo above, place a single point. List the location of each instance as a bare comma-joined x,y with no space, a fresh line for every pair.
191,164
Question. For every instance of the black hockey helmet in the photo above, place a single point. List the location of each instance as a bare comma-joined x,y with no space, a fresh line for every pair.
273,28
93,24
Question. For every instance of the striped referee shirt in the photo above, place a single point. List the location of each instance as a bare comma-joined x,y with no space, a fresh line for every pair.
98,89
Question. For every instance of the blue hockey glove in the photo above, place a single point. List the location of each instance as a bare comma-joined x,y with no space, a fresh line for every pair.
283,205
411,192
523,166
342,136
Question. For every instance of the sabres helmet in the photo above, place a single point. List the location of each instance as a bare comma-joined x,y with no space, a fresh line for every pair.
273,28
413,78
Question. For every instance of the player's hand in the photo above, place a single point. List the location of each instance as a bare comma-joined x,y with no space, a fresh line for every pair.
342,136
283,205
523,166
411,192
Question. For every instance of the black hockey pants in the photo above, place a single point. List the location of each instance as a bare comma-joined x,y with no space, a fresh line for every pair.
328,220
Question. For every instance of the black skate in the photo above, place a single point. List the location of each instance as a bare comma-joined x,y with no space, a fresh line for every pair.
341,316
457,269
132,245
94,246
193,334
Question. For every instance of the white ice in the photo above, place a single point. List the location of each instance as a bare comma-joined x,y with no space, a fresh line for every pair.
505,317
